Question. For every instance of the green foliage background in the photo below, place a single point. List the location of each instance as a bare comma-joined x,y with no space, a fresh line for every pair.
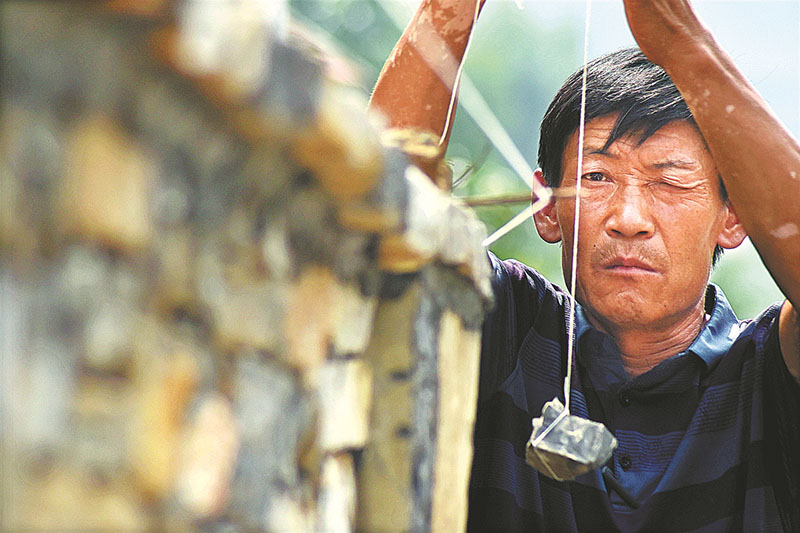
517,62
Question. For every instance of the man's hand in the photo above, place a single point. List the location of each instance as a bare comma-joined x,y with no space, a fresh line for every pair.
665,29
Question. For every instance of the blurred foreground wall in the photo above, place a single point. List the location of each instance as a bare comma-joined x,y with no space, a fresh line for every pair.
226,305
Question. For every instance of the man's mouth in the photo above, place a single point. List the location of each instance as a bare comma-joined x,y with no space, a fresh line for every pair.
628,265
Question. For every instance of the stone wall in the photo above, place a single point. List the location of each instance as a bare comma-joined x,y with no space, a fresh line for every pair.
226,304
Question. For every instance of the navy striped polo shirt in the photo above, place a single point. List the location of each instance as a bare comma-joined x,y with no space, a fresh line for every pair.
708,439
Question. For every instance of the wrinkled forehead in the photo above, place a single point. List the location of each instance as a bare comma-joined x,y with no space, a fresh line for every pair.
678,140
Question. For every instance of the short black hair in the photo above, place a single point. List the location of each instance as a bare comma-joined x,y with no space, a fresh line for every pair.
623,82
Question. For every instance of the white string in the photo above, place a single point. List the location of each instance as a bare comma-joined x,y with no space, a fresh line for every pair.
475,105
540,438
543,199
457,81
543,194
518,219
576,227
549,428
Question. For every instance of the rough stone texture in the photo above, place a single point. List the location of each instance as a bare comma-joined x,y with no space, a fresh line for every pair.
459,350
226,305
564,446
386,462
344,395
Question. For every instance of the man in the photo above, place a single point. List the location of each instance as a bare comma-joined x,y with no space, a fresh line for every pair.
706,409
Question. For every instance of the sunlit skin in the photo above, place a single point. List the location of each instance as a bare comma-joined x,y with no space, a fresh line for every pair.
758,157
651,215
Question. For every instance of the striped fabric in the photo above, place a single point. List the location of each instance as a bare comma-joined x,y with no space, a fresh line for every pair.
690,431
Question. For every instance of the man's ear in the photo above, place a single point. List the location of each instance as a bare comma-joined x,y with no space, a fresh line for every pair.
732,233
545,219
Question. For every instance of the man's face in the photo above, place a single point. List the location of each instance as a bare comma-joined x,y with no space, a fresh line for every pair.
650,217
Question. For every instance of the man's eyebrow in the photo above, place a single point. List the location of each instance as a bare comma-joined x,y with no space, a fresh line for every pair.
676,163
588,150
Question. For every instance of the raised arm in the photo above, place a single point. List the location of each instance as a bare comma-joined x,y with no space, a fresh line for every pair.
415,85
758,158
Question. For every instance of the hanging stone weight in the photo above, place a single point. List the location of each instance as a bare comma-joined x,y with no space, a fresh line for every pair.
564,446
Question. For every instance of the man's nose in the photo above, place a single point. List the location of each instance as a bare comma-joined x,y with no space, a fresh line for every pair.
630,214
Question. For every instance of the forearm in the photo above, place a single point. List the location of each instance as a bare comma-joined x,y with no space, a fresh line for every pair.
759,160
415,85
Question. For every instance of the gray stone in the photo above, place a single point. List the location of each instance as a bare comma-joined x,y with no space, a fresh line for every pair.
425,391
272,415
563,446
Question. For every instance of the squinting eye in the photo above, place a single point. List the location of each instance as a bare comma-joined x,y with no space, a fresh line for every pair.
594,176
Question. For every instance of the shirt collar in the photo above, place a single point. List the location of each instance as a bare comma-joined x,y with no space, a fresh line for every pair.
721,330
715,338
582,324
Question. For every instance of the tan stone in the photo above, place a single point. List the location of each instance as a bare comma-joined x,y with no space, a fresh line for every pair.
97,398
249,316
105,193
359,216
413,142
309,323
208,458
341,148
423,149
395,254
353,315
175,282
384,475
166,377
108,338
336,505
344,394
66,499
459,353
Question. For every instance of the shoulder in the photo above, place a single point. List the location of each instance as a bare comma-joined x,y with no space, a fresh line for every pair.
757,336
765,327
761,333
522,296
513,280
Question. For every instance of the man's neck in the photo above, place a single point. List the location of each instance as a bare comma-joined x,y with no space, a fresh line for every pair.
643,348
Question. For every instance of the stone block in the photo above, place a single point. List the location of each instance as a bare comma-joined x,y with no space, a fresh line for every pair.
353,316
272,415
458,365
342,147
344,391
336,504
166,377
106,189
309,323
207,458
436,227
385,467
